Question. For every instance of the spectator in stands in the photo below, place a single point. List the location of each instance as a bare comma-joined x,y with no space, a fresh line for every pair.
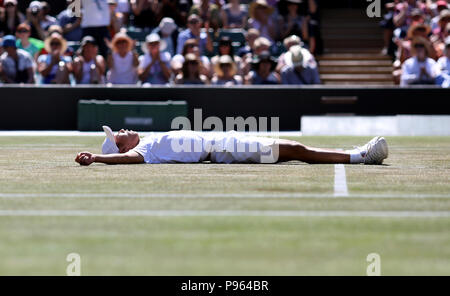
167,31
122,61
70,24
30,45
10,18
260,19
288,42
154,65
48,19
440,6
405,47
16,65
225,72
54,29
191,46
89,67
145,13
444,66
117,18
416,30
209,13
293,23
263,70
260,45
39,20
310,11
439,32
300,68
95,21
250,36
439,45
234,15
444,62
420,69
190,73
387,23
194,32
226,48
404,15
124,7
55,67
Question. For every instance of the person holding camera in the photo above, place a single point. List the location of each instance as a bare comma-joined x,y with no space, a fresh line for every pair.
39,20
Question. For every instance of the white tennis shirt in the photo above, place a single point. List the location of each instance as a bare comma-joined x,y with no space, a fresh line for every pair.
192,147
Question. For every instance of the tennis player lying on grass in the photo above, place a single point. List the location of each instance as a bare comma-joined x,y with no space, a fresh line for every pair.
126,147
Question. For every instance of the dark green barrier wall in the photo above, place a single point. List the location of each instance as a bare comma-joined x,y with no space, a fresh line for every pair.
133,115
55,108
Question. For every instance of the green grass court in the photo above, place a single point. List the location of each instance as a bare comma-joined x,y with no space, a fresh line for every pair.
210,219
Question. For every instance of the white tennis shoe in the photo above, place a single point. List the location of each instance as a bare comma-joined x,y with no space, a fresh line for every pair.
375,151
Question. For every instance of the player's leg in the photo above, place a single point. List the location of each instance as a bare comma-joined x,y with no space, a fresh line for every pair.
291,150
374,152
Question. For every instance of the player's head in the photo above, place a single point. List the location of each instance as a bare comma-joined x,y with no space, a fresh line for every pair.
122,142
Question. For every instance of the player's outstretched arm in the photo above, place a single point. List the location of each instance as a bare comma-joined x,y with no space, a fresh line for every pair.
131,157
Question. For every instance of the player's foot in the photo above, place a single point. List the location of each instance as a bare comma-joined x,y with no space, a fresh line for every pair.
375,151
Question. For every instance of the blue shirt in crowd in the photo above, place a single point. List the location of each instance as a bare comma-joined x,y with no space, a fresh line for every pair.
308,75
187,34
65,18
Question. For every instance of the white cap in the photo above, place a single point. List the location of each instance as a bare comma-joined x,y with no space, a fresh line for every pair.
167,26
153,37
109,145
297,56
36,5
10,1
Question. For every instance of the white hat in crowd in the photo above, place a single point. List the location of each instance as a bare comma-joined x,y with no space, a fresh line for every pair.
294,57
35,5
167,26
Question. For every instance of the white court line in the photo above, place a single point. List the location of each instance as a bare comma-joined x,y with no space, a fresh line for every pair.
216,195
340,181
208,213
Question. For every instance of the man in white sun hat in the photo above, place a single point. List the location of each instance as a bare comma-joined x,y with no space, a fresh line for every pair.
300,67
154,65
126,147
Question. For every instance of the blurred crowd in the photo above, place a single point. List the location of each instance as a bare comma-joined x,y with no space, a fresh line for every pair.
159,42
417,36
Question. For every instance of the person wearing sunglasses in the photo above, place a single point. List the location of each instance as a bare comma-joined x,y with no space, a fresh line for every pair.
225,48
420,68
55,67
31,45
191,46
194,31
190,73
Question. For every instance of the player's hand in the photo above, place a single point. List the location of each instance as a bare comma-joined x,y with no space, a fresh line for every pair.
85,158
